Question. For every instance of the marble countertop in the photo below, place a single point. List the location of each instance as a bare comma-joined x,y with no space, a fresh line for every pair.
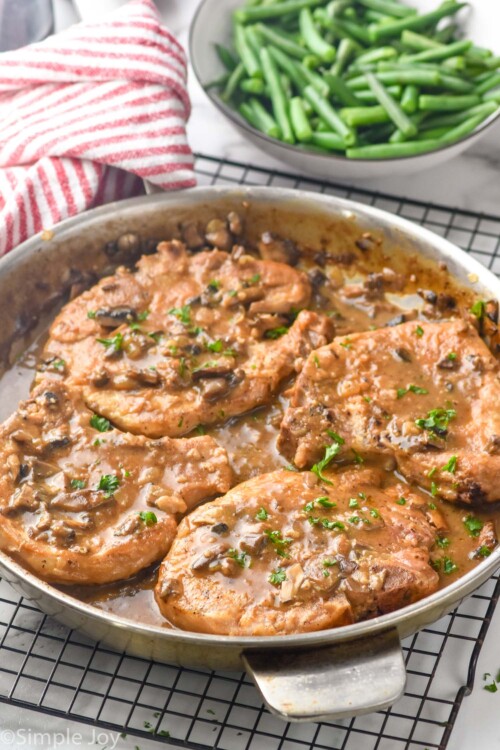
470,181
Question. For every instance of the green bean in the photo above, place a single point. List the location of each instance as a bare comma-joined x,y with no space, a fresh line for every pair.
233,82
287,85
375,17
347,48
337,7
263,12
443,80
392,150
413,23
284,43
490,83
440,53
443,36
329,115
349,29
456,134
315,80
418,41
246,53
492,63
328,141
366,96
456,64
492,96
375,55
401,76
226,57
300,122
480,52
432,133
277,95
458,85
341,91
311,62
389,8
246,111
252,86
430,102
289,66
455,118
409,99
253,39
391,106
217,83
417,119
267,123
357,117
313,39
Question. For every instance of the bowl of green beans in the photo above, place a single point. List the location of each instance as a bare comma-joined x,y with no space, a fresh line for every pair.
352,88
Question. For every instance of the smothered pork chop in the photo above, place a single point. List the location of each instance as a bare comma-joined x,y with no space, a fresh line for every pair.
187,340
81,502
427,394
286,553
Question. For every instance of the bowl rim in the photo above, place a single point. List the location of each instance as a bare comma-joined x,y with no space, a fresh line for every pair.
241,123
442,600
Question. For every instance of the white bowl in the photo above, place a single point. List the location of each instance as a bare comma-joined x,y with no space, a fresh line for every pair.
212,23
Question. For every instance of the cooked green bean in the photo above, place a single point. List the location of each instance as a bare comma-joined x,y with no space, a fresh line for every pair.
391,106
264,12
392,150
315,80
418,41
329,115
490,83
385,31
246,53
402,76
328,141
226,57
233,82
313,39
300,121
389,8
455,118
346,50
289,67
266,123
278,97
252,86
440,53
492,96
366,96
278,39
375,55
430,102
357,117
341,91
456,134
218,83
417,119
409,99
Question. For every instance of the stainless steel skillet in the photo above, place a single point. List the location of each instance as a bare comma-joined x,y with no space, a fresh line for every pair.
332,673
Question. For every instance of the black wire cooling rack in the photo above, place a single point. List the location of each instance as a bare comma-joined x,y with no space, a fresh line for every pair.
48,668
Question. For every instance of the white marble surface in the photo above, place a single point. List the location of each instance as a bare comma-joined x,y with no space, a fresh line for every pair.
471,181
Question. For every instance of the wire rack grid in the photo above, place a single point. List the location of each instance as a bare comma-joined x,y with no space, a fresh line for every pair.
48,668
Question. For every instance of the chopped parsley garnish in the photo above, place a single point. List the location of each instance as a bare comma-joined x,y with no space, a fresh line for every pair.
442,541
180,422
375,513
411,389
262,514
215,346
206,365
276,333
254,279
232,293
91,314
451,465
451,355
431,506
449,566
401,501
144,315
419,331
332,525
148,517
279,543
182,313
367,399
330,452
182,366
491,687
329,563
316,360
201,430
243,560
214,285
478,309
325,502
431,472
78,484
483,551
473,525
354,519
100,423
115,343
108,483
434,489
437,421
353,503
347,344
59,364
277,576
290,467
358,459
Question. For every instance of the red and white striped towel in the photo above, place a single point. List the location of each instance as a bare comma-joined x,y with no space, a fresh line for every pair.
86,115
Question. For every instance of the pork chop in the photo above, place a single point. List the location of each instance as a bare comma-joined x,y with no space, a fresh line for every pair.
282,554
186,340
427,394
81,502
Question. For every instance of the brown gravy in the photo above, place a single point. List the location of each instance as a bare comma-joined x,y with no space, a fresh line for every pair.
250,440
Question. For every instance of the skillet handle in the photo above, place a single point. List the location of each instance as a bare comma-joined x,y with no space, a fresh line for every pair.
332,682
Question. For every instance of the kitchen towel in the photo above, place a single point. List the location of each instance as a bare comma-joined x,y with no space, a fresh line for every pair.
86,115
